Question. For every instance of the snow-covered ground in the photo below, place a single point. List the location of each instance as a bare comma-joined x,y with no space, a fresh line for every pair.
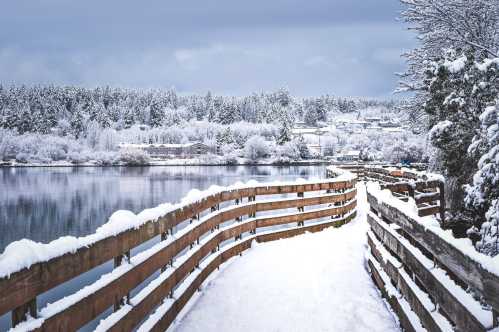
313,282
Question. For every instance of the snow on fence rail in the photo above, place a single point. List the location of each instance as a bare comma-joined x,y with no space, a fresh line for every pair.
430,278
184,258
427,189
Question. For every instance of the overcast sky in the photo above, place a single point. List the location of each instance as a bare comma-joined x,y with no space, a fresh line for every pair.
311,47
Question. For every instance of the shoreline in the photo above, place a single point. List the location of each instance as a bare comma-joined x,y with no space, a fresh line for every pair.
190,162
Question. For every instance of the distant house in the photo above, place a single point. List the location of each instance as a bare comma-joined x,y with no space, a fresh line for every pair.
301,124
393,130
388,124
349,156
171,150
373,119
374,129
314,149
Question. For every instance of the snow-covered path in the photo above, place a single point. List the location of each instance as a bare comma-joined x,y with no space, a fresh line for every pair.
313,282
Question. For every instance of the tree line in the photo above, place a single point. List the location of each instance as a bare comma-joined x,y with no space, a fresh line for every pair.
454,75
70,110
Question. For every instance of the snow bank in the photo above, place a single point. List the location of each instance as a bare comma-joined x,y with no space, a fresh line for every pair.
341,174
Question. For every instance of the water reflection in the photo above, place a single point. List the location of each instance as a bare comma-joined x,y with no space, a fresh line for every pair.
43,204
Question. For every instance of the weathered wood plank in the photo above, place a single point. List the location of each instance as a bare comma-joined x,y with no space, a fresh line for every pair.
407,291
463,266
404,321
447,301
428,210
428,198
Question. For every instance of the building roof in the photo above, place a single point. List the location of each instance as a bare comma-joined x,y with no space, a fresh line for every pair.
352,153
159,145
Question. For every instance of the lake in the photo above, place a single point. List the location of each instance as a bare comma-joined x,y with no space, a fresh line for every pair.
44,203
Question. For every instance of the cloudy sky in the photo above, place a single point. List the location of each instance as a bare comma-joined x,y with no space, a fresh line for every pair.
311,47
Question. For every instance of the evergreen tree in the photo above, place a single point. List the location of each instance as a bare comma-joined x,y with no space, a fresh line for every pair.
77,123
225,137
128,118
483,195
156,115
226,114
456,98
303,148
285,133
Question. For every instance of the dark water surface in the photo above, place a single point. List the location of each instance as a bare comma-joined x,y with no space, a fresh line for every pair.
44,203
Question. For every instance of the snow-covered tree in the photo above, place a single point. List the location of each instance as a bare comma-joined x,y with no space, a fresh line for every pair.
225,137
285,134
483,195
328,143
302,147
459,91
256,148
449,24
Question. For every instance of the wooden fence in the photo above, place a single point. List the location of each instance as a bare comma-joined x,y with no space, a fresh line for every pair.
427,280
429,194
184,258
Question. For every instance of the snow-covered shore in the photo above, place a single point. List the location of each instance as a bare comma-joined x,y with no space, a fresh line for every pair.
173,162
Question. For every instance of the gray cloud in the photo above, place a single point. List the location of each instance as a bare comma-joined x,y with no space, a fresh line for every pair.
232,47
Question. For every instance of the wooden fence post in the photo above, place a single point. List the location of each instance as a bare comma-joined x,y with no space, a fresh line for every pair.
441,189
164,236
118,260
300,208
410,191
20,313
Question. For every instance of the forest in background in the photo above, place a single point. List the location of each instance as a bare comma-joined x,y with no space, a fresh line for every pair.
45,124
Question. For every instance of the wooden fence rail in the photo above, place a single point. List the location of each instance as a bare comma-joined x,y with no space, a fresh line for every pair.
180,257
403,183
432,277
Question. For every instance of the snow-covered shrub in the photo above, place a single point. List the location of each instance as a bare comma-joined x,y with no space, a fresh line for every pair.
104,158
7,144
171,135
79,157
328,145
229,155
52,152
211,144
483,195
93,131
303,148
133,157
211,159
174,117
108,140
63,127
289,151
256,148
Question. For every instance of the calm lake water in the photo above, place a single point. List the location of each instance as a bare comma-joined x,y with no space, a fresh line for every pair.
44,203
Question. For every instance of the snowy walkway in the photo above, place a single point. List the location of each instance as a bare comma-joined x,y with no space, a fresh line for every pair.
313,282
